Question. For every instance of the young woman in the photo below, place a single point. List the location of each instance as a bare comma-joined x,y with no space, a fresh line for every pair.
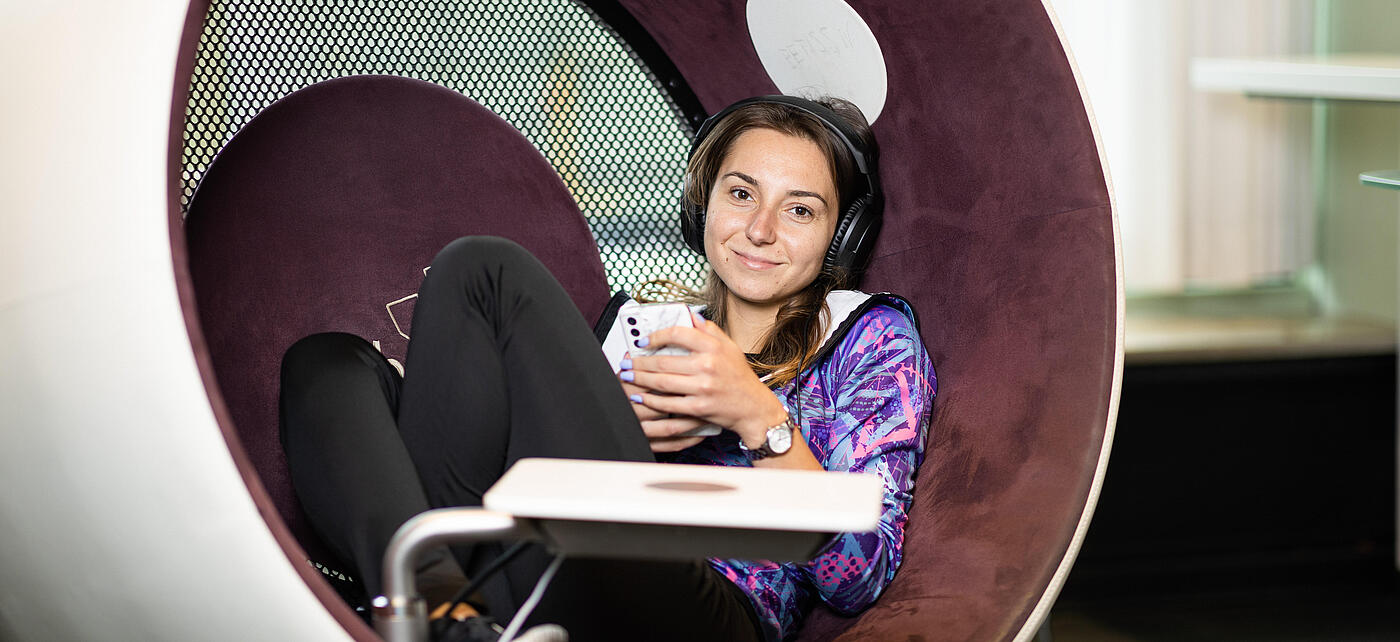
782,198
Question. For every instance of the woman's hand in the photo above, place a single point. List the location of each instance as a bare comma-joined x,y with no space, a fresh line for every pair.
713,384
663,429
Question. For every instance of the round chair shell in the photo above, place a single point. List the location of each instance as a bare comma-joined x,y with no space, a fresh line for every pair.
999,227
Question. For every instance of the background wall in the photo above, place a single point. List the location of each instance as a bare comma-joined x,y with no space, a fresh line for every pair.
1259,473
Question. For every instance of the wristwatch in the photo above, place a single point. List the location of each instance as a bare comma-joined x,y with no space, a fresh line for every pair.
777,440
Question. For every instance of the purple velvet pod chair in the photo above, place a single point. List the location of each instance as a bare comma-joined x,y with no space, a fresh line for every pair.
998,226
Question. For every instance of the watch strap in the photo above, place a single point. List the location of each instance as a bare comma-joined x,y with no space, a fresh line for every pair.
764,450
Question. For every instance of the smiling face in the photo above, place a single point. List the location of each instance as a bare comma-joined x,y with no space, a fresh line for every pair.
770,218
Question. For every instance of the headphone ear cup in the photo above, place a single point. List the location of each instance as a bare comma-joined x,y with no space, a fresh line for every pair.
692,221
854,234
860,240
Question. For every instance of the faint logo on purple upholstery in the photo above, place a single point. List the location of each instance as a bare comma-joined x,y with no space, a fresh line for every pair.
405,312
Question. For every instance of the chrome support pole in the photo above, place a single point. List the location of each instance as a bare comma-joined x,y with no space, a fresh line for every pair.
400,615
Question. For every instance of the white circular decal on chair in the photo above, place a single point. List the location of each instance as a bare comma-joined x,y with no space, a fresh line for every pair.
819,47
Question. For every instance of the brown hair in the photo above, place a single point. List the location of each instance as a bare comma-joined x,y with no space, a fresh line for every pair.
788,347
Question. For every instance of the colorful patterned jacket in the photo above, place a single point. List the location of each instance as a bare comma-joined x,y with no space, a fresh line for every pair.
863,407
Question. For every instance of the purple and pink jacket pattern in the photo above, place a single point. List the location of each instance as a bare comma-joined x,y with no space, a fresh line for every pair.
863,408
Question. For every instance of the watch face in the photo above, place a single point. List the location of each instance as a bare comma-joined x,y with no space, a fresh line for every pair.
780,439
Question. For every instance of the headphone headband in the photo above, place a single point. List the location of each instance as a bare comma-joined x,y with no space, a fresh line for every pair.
860,214
863,159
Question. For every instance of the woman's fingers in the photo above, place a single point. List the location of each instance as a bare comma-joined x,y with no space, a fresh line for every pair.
679,336
669,427
674,384
644,413
666,435
673,444
708,328
713,332
648,413
666,404
675,364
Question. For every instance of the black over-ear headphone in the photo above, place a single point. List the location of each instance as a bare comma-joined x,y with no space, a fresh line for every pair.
860,220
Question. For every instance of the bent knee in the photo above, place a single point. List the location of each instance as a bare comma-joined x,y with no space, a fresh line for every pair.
483,251
324,352
476,262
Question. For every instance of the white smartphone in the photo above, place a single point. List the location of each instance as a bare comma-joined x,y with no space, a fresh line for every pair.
639,322
642,320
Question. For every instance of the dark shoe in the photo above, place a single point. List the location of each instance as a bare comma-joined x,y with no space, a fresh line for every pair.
482,628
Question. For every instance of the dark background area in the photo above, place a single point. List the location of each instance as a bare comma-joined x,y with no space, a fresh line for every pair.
1244,500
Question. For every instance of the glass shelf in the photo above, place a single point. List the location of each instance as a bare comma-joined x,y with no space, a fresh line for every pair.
1388,179
1337,76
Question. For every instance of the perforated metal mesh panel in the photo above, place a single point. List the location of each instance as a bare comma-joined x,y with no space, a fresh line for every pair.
551,68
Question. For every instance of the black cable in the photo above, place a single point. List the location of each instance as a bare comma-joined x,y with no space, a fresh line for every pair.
485,574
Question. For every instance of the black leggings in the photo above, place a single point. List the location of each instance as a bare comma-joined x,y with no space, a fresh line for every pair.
501,366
